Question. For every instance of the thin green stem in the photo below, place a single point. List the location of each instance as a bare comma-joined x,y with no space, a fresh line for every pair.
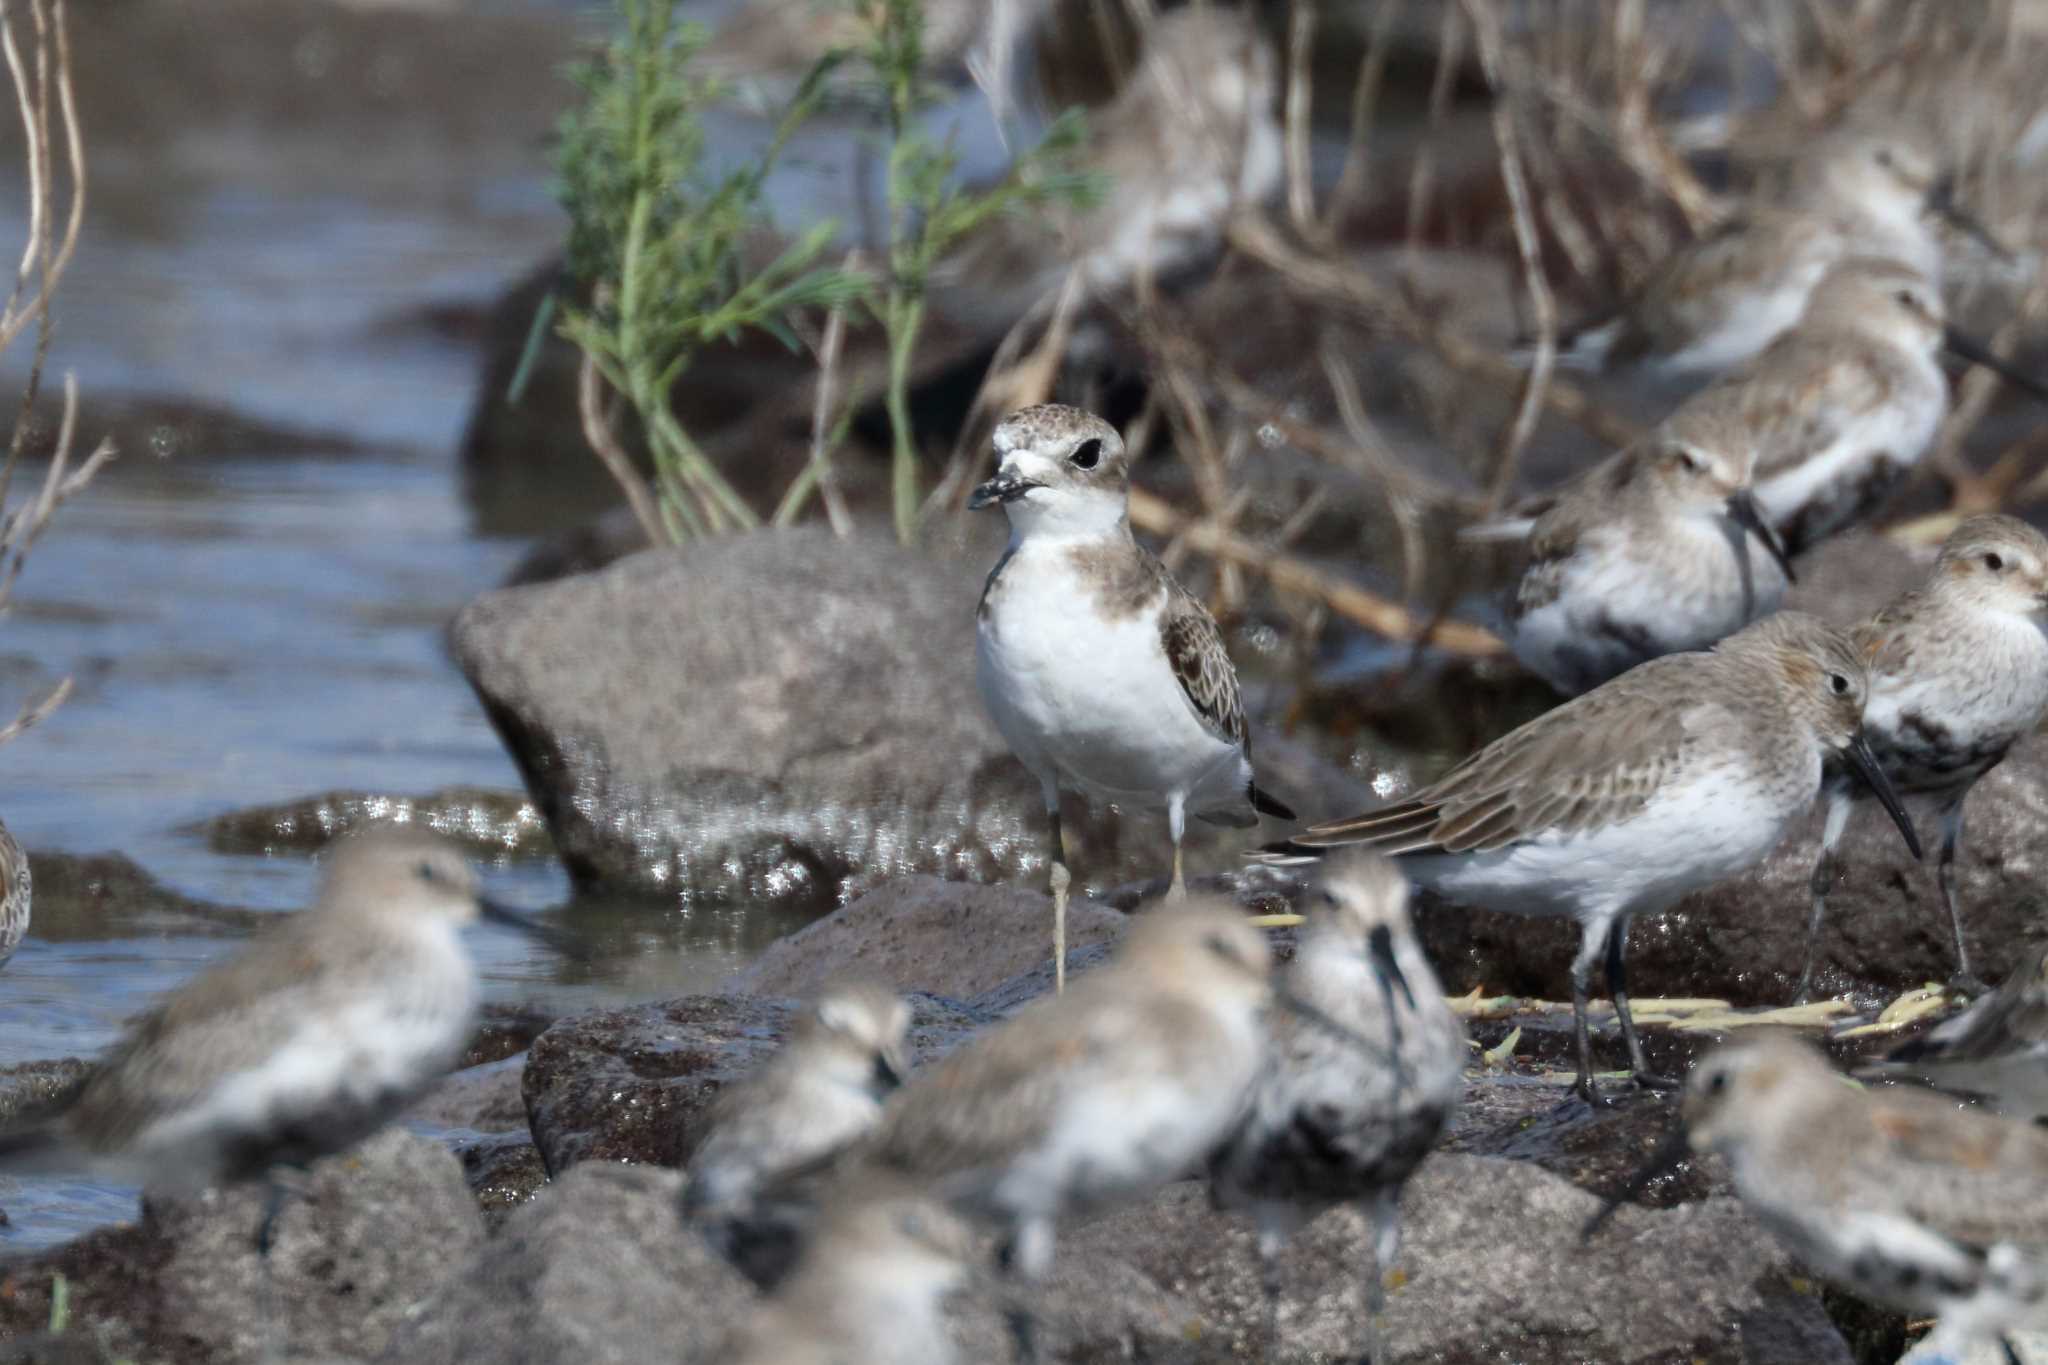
906,316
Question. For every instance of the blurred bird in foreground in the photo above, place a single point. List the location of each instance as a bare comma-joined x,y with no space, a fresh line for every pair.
1331,1122
1656,550
320,1032
1678,774
1958,675
1996,1050
1719,300
1898,1195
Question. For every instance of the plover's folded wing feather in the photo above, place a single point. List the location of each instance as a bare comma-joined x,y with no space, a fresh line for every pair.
1201,663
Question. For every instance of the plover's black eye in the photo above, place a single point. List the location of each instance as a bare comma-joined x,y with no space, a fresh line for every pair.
1088,454
1994,562
1839,683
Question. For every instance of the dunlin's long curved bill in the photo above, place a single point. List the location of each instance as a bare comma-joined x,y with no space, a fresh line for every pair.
1866,766
1968,348
1744,512
499,913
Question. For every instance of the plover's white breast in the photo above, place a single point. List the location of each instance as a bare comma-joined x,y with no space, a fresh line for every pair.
1088,694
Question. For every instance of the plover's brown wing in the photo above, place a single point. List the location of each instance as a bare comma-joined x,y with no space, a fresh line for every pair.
1964,1174
1592,762
1201,663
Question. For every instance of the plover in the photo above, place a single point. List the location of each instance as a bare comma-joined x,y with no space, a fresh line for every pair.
1958,675
1996,1050
313,1037
16,893
814,1099
1677,774
1191,138
1839,408
870,1286
1657,550
1103,674
1899,1195
1084,1100
1331,1123
1720,300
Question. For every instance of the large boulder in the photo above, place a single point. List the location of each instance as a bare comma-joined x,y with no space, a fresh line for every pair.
777,717
635,1084
1494,1269
923,934
599,1270
370,1235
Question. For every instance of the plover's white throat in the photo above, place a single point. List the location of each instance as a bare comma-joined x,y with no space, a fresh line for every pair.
1996,1050
1720,300
1958,675
313,1037
1675,775
871,1285
1332,1122
817,1096
1656,550
1083,1100
1900,1195
1105,676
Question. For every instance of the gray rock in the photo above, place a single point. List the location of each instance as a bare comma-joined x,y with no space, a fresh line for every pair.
493,822
599,1270
1494,1270
955,939
634,1084
374,1232
776,717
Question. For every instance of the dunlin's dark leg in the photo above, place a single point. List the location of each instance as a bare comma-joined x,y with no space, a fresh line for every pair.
275,1192
1025,1257
1582,976
1384,1211
1945,873
1825,869
1270,1284
1061,879
2012,1355
1617,986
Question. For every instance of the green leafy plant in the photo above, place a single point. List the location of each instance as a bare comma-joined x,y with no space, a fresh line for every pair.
662,249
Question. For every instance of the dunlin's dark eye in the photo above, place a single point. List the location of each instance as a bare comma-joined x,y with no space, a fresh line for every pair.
1994,562
1884,157
1839,683
1717,1082
426,871
1688,461
1221,946
1088,454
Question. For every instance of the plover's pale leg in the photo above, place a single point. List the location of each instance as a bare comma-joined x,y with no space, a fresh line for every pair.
1839,805
1176,824
1061,880
1945,874
1617,989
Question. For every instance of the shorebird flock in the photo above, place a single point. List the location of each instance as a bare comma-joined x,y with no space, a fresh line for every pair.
1703,722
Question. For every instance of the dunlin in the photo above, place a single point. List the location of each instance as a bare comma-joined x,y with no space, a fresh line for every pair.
313,1037
1899,1195
1674,776
870,1286
1657,550
16,893
1996,1050
1838,409
1191,138
1333,1123
815,1098
1105,675
1958,675
1081,1101
1722,299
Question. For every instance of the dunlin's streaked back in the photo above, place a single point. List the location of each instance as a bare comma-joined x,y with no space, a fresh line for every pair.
870,1287
1958,675
16,892
819,1095
1657,550
1191,138
1996,1050
1670,778
1105,675
1332,1122
310,1039
1719,301
1900,1195
1083,1100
